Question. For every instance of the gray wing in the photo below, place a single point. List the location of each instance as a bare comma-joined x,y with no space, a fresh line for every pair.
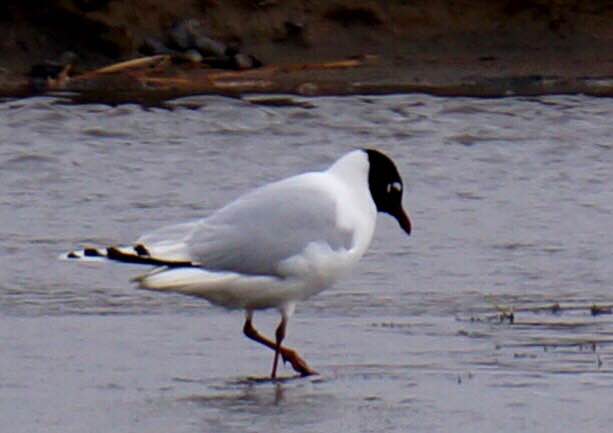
255,233
171,234
169,243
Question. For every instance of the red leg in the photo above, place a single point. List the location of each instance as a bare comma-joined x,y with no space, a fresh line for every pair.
280,335
288,355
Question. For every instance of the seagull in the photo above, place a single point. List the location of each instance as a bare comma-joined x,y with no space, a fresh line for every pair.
273,246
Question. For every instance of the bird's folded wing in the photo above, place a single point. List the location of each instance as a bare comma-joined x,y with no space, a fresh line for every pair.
254,234
170,242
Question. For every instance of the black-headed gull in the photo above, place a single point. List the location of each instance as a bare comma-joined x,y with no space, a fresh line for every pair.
274,246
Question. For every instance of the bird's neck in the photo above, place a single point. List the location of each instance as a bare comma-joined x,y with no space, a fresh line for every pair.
352,168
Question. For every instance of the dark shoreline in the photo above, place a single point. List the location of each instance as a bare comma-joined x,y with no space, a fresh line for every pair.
477,48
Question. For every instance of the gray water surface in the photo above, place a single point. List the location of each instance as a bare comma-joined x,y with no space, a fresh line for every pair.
512,205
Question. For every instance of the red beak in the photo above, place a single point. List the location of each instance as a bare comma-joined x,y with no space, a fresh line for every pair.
403,220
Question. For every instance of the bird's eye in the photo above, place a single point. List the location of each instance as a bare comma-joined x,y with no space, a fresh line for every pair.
394,186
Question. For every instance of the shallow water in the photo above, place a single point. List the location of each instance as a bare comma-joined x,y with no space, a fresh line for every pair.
511,201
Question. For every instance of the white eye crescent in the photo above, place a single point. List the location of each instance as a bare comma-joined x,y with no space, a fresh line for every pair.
396,186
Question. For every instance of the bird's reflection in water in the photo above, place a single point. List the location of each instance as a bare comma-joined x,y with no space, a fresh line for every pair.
234,404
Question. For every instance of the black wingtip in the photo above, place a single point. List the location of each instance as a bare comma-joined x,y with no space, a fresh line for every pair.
114,253
92,252
141,250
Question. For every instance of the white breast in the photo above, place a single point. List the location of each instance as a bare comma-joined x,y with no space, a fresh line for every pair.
346,181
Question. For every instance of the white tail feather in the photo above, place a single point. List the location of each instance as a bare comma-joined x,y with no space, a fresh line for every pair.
228,289
183,280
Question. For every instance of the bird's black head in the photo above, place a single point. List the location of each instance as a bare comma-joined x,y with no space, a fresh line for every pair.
386,187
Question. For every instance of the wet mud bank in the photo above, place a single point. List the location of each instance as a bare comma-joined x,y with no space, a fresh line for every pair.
111,50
